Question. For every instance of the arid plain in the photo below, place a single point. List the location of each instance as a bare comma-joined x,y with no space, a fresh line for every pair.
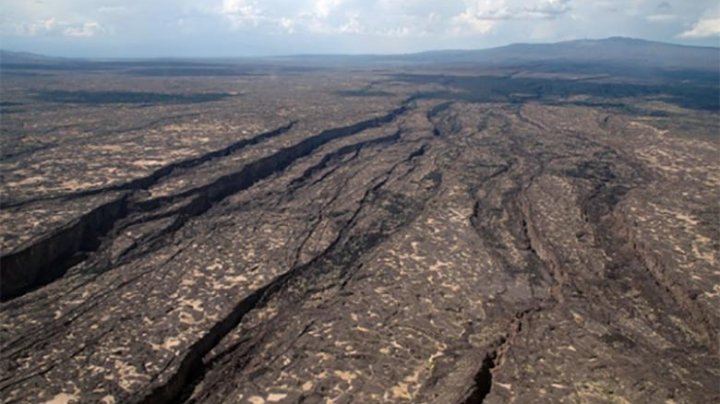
280,232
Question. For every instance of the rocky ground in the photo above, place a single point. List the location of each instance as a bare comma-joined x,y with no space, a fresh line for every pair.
361,237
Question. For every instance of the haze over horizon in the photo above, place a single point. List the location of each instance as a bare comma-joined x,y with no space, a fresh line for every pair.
227,28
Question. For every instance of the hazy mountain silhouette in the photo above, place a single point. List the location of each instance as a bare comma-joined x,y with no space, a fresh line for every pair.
616,50
586,54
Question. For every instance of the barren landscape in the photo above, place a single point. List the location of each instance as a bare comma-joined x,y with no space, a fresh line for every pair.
369,231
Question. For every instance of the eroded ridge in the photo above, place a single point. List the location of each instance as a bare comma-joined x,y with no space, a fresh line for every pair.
433,250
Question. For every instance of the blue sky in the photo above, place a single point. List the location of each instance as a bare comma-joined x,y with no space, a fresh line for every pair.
156,28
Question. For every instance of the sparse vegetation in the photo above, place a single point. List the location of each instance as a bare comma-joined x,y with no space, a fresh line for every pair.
367,229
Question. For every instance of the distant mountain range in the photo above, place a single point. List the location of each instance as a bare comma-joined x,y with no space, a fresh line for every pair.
616,51
612,50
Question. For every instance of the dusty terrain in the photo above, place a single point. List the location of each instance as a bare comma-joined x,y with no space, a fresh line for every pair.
357,236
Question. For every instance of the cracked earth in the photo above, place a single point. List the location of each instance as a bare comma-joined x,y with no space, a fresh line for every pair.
289,244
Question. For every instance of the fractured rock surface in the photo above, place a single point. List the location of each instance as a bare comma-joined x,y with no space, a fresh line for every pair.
295,245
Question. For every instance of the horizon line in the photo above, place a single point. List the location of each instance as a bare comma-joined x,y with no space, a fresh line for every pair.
334,54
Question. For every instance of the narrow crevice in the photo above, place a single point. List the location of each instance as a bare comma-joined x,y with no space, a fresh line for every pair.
482,380
192,368
617,237
191,365
155,177
345,250
621,241
543,252
438,109
51,256
337,154
48,259
267,166
419,152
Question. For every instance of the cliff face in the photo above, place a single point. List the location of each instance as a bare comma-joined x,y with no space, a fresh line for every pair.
404,248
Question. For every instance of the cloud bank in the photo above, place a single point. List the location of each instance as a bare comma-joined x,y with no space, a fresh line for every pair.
243,27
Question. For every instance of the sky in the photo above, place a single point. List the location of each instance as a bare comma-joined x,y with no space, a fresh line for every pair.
227,28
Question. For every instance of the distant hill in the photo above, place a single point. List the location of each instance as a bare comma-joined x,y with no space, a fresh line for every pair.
616,50
10,57
612,56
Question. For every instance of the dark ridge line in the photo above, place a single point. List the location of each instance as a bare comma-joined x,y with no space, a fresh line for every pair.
438,109
28,151
616,235
704,322
206,196
169,391
257,170
192,365
49,258
43,262
419,152
322,164
148,181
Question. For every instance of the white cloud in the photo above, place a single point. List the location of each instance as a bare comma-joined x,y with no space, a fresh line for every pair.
242,13
40,27
662,18
323,8
287,24
481,16
352,26
52,27
516,9
116,10
467,20
269,26
86,30
705,28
